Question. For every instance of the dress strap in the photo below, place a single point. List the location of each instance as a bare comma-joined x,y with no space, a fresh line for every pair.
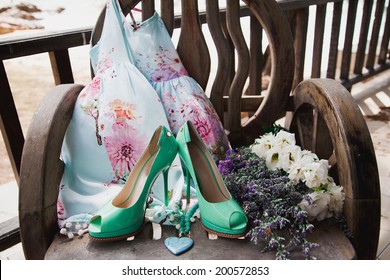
113,41
122,21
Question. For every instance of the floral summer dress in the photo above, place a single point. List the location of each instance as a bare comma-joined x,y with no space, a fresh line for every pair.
114,118
182,97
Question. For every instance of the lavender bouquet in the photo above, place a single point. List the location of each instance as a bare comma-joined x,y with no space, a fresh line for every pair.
282,189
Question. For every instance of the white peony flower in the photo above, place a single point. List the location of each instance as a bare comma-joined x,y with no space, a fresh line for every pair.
272,158
281,152
316,173
263,144
290,155
304,158
284,138
337,197
308,157
319,208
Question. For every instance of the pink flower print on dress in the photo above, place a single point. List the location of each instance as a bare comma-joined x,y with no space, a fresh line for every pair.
94,86
122,111
169,97
106,62
92,89
124,148
163,65
60,210
89,103
204,129
164,74
90,107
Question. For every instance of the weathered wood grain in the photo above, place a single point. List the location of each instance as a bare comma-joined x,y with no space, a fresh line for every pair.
225,56
168,16
41,170
349,31
353,155
9,124
61,67
242,69
192,46
384,50
361,50
334,40
372,50
318,41
327,235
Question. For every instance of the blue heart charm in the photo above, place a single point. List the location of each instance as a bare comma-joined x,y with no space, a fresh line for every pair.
178,245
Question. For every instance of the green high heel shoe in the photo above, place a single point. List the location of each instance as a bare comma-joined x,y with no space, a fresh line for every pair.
220,213
124,216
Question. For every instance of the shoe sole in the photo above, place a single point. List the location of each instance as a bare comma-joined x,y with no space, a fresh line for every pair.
116,238
221,234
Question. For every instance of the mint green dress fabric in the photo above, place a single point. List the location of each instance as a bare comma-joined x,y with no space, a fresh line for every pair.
114,118
139,84
182,97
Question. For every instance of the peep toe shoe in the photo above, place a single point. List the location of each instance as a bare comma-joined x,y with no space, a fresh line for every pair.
124,216
220,213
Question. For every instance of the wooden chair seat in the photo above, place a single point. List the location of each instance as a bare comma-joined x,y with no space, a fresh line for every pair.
327,234
321,112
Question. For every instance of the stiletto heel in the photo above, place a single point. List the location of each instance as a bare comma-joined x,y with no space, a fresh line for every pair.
188,186
124,216
220,213
165,175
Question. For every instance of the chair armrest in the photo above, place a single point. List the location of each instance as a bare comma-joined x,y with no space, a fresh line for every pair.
329,122
41,169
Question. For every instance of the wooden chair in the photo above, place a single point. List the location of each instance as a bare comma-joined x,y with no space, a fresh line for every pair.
321,112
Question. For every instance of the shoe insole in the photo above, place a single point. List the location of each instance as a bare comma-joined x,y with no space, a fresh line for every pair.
135,185
209,180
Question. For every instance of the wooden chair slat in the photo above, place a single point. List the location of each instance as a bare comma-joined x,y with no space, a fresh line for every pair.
256,57
192,46
127,5
334,40
371,56
361,50
61,67
300,38
384,50
349,31
168,15
13,136
275,25
318,41
232,56
250,103
225,59
243,61
148,9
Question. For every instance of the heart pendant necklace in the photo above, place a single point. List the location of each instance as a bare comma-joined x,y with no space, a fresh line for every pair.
181,244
